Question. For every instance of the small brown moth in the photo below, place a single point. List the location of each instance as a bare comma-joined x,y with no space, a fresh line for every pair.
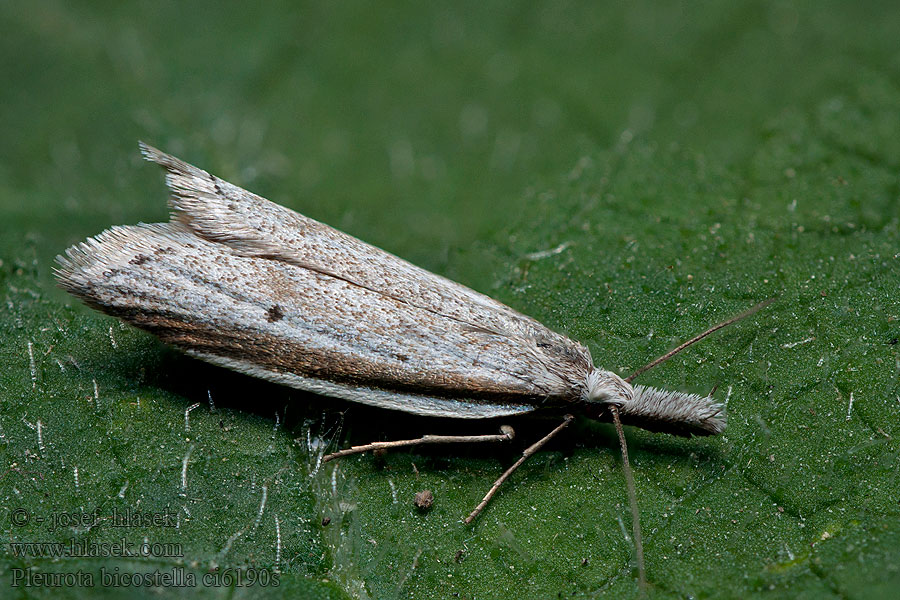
249,285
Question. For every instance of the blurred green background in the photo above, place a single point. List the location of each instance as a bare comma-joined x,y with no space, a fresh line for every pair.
628,173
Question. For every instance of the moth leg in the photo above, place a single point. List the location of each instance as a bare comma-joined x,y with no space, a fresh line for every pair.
528,452
506,433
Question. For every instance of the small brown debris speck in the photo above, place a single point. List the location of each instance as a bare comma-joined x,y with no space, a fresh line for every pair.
424,500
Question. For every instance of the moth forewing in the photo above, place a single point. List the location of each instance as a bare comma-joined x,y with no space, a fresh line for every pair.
239,281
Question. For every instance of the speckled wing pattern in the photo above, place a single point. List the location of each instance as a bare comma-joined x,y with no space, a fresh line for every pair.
247,284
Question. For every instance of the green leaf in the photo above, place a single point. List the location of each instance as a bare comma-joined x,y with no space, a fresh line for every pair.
628,174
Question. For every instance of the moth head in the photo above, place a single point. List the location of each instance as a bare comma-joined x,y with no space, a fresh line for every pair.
605,387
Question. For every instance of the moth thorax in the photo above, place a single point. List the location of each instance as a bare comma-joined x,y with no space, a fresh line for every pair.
607,388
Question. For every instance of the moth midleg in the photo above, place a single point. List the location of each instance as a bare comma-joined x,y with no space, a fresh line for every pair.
528,452
506,433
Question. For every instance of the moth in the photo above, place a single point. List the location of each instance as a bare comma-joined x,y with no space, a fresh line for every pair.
249,285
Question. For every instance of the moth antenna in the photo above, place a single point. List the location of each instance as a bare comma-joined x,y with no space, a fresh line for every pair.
632,501
699,337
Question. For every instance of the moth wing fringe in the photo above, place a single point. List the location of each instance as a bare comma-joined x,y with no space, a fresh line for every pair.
221,212
84,263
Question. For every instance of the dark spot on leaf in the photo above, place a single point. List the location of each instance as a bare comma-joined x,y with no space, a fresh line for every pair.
139,259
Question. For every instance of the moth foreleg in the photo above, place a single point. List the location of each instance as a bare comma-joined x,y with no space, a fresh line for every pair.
506,433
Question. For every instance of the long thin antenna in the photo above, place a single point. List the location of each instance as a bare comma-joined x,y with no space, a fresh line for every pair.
632,500
697,338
